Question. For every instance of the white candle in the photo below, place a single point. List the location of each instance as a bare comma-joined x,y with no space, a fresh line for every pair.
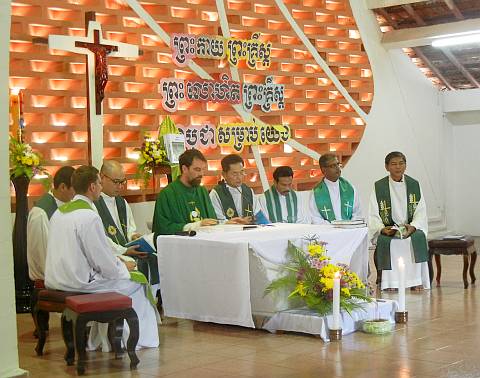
336,301
401,285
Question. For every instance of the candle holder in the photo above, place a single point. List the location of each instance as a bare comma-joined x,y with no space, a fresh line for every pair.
335,334
401,317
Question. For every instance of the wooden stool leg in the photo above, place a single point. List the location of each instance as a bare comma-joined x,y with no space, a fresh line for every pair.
132,320
41,320
68,339
115,332
438,263
473,260
80,343
465,271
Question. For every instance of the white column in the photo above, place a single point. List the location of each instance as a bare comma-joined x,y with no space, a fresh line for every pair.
8,325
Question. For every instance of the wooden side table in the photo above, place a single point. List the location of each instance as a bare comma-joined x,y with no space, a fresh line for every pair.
465,247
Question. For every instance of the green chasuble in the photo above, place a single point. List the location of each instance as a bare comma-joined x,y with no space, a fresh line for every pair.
419,241
272,198
324,203
177,205
228,206
48,204
147,265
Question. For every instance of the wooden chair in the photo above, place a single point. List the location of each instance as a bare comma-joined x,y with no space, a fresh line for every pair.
112,308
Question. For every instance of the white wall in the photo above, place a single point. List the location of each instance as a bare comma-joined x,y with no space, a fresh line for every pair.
462,121
8,326
406,116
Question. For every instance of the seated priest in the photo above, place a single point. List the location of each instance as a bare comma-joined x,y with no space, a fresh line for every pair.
232,200
281,203
118,221
80,258
334,198
184,205
39,220
398,225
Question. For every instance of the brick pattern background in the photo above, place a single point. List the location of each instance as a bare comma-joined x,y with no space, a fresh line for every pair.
54,82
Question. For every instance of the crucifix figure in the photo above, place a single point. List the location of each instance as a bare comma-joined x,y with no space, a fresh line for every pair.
325,211
96,50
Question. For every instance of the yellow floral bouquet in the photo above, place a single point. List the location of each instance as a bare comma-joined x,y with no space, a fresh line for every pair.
24,161
309,278
152,155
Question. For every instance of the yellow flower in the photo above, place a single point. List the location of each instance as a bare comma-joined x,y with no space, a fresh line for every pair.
112,230
299,289
315,249
346,291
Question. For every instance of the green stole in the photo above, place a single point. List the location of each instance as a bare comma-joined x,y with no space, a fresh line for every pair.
419,241
48,204
274,207
228,205
177,205
324,203
118,237
135,276
147,265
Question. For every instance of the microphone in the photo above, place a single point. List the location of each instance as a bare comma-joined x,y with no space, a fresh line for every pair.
186,233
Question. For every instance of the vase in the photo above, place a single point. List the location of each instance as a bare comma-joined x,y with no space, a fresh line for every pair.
157,174
23,285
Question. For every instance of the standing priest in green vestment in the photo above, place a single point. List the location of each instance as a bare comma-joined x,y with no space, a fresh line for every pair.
281,203
334,198
39,221
118,221
184,205
398,225
232,200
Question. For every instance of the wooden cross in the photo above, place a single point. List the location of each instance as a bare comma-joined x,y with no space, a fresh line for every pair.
325,211
96,50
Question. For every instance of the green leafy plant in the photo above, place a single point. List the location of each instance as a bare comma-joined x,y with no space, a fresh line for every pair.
309,278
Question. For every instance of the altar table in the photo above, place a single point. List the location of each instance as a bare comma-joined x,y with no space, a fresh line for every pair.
220,276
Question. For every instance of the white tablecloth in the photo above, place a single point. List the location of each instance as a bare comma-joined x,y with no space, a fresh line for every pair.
307,321
213,277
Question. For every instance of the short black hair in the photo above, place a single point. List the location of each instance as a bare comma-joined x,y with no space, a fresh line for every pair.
83,177
186,159
324,159
394,154
228,160
283,171
63,176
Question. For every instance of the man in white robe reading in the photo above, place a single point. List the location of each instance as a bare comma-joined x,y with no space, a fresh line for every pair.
233,201
80,258
39,221
334,198
281,203
398,225
118,221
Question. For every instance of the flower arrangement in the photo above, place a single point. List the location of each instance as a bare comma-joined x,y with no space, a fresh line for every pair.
309,278
24,161
152,155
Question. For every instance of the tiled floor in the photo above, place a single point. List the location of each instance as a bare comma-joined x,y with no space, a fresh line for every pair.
440,340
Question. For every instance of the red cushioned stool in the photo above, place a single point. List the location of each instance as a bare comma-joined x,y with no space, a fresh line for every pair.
112,308
45,301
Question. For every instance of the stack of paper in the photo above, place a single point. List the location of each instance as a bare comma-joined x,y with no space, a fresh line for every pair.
354,223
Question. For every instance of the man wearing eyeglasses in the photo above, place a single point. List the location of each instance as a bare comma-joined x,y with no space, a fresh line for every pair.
232,200
334,198
118,221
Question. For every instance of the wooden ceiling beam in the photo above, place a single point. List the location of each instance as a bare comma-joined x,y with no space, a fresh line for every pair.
387,17
454,9
419,20
376,4
432,67
424,35
448,53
